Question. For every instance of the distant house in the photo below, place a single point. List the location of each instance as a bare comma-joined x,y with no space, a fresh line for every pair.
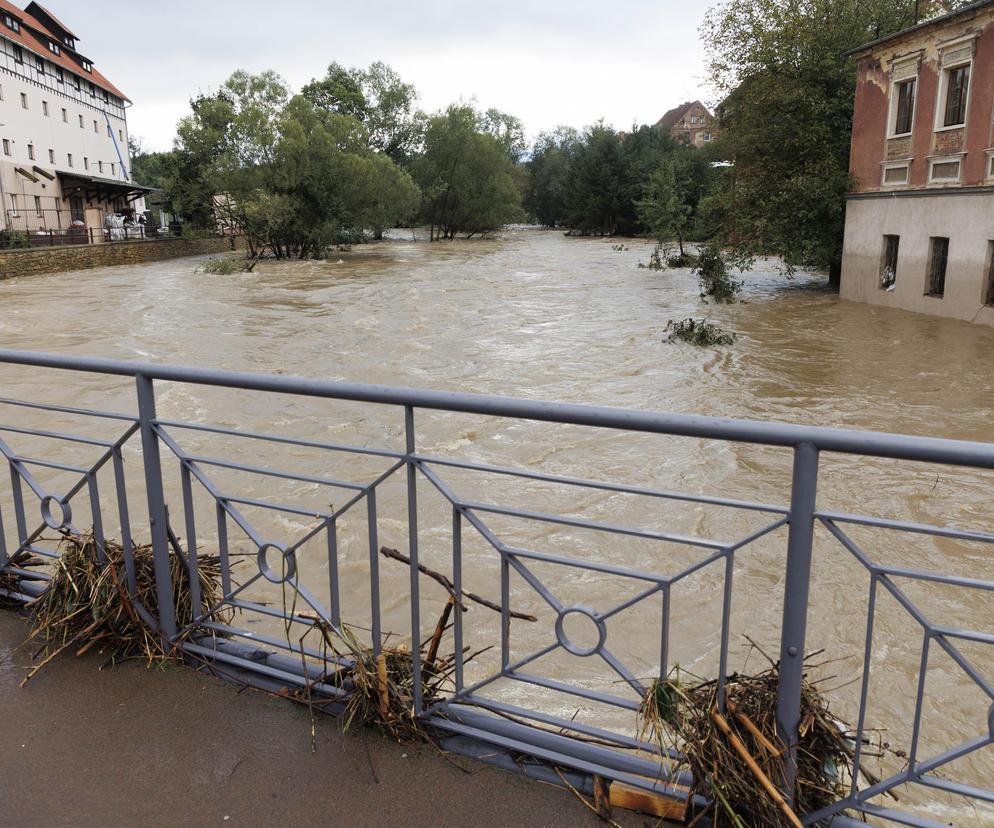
63,130
920,217
690,122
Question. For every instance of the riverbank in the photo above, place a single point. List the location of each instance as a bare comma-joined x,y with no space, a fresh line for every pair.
82,747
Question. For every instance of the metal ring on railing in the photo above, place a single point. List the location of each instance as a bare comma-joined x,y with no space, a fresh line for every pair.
564,640
48,516
289,564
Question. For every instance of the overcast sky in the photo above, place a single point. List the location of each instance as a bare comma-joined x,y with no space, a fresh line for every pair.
549,62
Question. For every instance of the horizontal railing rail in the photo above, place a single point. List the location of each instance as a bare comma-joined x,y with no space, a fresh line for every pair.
346,527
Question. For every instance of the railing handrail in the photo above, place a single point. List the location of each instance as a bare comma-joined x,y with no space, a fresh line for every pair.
789,435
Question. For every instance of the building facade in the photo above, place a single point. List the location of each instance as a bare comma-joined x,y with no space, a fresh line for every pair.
64,163
920,217
690,122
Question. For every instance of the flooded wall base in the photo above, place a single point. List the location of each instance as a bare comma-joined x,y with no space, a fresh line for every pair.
963,218
85,256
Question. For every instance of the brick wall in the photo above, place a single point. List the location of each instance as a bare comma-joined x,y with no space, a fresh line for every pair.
85,256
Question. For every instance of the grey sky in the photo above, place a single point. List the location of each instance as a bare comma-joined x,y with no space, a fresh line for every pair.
548,61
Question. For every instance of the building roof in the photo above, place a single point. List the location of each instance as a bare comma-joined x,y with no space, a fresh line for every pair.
926,24
672,118
33,45
31,6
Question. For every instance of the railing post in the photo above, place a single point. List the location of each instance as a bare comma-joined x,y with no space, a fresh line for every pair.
412,524
158,518
795,606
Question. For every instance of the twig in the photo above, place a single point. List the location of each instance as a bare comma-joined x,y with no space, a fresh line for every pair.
583,799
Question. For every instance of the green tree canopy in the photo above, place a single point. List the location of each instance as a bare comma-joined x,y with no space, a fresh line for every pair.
466,176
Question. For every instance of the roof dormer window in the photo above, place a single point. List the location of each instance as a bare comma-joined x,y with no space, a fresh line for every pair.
87,65
54,48
69,42
12,23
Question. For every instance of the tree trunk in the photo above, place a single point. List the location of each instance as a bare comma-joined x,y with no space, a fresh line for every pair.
835,275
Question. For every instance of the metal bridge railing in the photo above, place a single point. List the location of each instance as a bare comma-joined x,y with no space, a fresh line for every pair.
353,510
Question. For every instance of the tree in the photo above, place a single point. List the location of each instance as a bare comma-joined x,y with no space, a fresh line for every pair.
597,189
548,168
377,98
789,93
665,210
466,177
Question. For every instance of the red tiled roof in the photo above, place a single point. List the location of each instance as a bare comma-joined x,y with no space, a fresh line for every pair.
29,42
672,118
54,19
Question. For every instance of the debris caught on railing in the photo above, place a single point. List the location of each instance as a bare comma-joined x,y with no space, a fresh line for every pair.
734,753
88,603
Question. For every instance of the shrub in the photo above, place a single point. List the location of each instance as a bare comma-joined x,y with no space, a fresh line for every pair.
716,282
220,266
699,332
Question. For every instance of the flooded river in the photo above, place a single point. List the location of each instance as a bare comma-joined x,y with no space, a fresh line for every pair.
537,315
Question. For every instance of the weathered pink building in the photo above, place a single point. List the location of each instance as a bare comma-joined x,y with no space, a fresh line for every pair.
920,218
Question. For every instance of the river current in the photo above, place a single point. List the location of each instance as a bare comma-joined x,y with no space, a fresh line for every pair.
534,314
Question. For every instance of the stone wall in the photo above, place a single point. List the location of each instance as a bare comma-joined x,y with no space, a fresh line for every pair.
85,256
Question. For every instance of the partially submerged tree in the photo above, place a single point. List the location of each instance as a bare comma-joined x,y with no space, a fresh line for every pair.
466,176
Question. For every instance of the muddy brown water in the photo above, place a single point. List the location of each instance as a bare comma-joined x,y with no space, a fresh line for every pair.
537,315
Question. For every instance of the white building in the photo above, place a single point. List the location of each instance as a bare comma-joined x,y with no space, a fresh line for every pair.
64,162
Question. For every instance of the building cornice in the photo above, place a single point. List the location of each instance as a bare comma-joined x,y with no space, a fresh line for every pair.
935,191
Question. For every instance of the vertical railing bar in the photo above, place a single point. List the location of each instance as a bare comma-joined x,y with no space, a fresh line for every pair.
334,597
96,515
664,636
919,700
158,519
374,572
457,589
125,518
797,586
3,542
193,565
726,619
412,525
505,612
222,547
864,692
18,496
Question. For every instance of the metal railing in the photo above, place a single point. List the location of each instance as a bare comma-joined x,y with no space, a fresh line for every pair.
471,710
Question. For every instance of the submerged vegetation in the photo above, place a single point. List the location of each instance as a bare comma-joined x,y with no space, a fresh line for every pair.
699,332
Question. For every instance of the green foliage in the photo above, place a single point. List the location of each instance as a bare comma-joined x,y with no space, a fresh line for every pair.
466,176
220,266
664,209
14,240
193,232
787,118
545,196
378,99
712,270
293,174
699,332
597,190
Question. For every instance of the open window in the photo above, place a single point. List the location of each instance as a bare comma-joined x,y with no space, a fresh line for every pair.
888,265
938,259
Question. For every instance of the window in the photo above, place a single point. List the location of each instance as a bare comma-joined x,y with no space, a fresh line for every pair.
18,54
69,157
60,75
896,175
38,211
40,65
888,267
938,257
106,96
905,111
707,137
31,152
113,168
945,170
1,92
54,48
957,88
65,116
11,22
51,156
93,90
75,83
87,66
110,134
13,204
24,100
96,128
120,135
6,146
86,163
100,166
989,283
44,108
